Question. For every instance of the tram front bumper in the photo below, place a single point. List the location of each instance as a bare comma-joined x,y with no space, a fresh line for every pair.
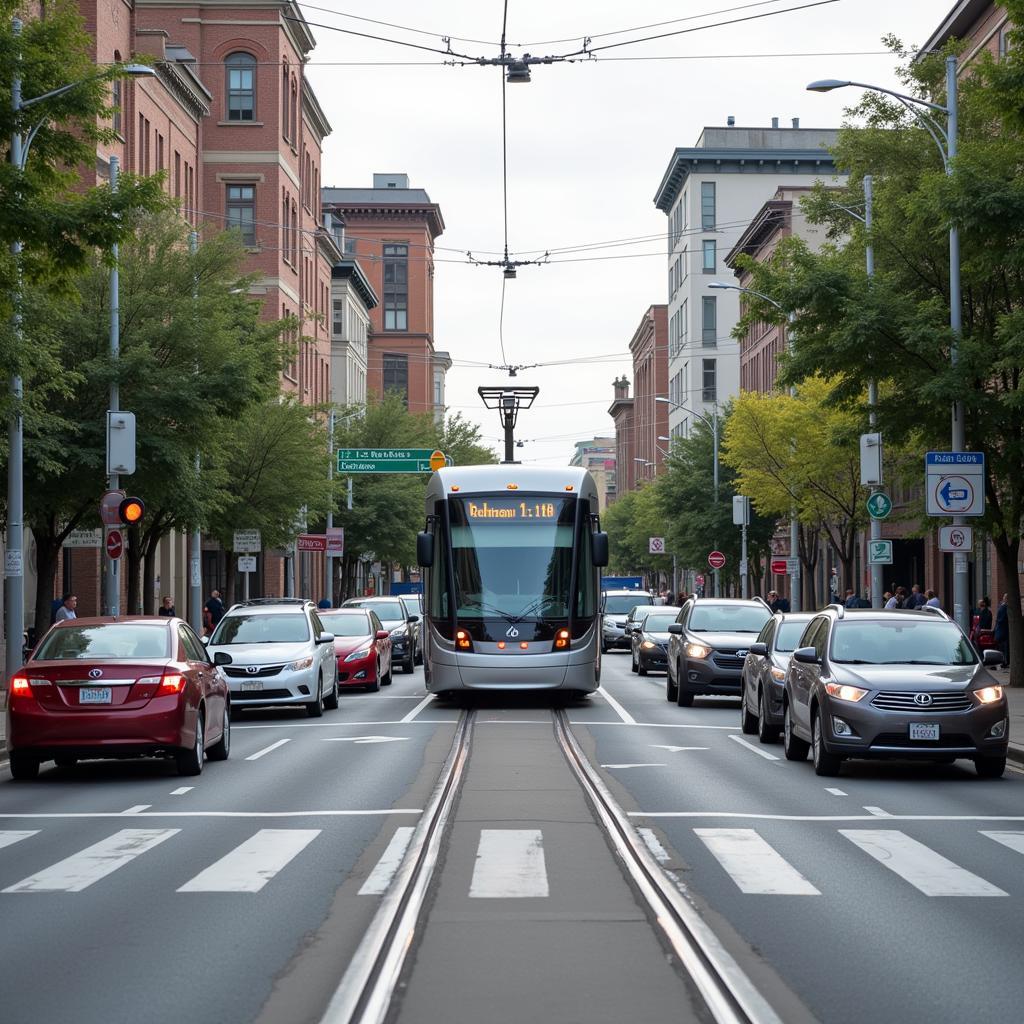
451,670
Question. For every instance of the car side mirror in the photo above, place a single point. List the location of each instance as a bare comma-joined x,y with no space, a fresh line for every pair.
599,545
222,658
759,648
992,657
381,634
676,629
325,638
806,655
413,618
425,549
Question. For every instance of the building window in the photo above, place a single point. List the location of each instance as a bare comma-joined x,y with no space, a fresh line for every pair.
396,288
438,390
707,205
285,79
339,319
241,211
684,322
709,326
709,388
396,375
708,265
241,81
116,99
1004,41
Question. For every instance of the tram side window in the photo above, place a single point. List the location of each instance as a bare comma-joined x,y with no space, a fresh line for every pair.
585,584
437,590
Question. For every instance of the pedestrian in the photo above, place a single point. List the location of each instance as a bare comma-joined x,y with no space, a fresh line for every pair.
851,600
864,601
932,599
213,611
901,597
323,604
984,614
776,603
889,599
167,608
68,604
1002,630
916,598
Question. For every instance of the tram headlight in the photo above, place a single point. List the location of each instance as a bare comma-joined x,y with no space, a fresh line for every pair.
463,640
561,640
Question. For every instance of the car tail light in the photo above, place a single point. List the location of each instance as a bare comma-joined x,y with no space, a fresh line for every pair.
463,641
20,689
561,640
170,684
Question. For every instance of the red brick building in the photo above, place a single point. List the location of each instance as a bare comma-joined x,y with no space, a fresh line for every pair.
649,349
622,412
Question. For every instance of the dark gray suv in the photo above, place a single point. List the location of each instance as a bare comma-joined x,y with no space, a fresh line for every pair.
708,644
906,684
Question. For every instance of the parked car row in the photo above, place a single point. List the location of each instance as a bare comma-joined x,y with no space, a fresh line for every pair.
137,686
838,684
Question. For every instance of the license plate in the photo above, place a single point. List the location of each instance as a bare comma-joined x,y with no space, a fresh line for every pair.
920,731
250,687
94,695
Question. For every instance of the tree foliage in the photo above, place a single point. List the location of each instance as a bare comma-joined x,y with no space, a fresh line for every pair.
630,522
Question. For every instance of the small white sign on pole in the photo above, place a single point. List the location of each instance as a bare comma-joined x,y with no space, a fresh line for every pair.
246,542
84,539
247,563
871,460
956,538
656,545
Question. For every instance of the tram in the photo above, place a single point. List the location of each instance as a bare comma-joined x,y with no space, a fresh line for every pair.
511,558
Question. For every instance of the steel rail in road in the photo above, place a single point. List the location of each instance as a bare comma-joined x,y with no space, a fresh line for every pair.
729,994
364,993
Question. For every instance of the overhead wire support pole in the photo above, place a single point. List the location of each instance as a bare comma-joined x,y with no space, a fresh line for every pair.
195,562
112,580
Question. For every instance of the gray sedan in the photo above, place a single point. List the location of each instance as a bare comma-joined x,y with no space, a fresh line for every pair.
762,680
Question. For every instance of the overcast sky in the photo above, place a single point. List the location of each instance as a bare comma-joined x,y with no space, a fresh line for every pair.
588,144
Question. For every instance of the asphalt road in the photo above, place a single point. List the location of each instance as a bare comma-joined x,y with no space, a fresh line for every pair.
894,892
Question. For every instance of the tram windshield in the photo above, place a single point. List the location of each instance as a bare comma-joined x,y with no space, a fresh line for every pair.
512,555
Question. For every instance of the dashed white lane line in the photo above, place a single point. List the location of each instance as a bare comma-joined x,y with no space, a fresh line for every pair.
137,809
757,750
249,867
642,765
657,725
364,739
754,864
79,871
380,877
267,750
834,791
426,702
878,812
182,790
626,717
918,864
652,844
10,838
671,749
509,865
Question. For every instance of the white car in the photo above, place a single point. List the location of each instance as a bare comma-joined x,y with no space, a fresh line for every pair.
616,607
276,652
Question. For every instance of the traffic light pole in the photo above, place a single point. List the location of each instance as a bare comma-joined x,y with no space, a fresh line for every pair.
112,579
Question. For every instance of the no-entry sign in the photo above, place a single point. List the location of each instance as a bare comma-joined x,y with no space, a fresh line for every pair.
716,559
115,544
779,566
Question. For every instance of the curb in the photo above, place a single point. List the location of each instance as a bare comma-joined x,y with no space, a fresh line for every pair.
1015,754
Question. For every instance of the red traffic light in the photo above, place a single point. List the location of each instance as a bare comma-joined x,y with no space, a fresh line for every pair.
131,511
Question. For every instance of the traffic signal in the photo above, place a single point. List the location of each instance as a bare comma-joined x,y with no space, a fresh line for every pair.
131,511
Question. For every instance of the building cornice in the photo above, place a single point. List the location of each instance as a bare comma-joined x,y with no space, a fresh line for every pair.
774,215
183,84
328,246
314,113
349,270
620,405
964,14
430,213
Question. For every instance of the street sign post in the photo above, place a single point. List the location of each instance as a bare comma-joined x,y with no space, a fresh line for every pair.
115,544
716,559
879,505
311,542
880,552
656,545
780,566
956,538
955,483
247,563
247,542
871,460
390,460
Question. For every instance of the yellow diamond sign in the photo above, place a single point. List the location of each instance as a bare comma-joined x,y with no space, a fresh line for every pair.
437,461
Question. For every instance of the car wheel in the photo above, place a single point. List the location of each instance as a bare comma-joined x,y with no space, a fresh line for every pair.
23,768
825,762
604,647
794,747
634,664
315,708
190,762
331,700
671,690
986,767
748,723
765,733
409,665
65,762
222,748
375,685
386,680
641,668
419,655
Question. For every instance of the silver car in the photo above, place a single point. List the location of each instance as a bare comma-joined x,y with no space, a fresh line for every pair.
616,606
276,653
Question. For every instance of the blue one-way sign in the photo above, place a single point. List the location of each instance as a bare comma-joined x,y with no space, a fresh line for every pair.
955,483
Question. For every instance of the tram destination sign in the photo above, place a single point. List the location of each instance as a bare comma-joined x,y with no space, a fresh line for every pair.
389,460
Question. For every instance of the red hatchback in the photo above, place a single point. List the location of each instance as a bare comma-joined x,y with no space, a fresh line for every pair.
361,645
124,687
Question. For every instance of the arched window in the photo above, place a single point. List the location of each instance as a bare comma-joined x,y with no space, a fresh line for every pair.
285,78
294,110
116,96
241,86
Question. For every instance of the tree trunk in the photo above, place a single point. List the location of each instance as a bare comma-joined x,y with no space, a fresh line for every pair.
1007,554
229,579
809,552
149,577
133,563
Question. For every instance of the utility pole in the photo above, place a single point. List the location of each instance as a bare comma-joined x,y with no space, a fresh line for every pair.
328,555
195,563
877,586
508,401
112,581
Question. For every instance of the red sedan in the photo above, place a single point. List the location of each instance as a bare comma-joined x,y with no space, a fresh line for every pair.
361,645
118,687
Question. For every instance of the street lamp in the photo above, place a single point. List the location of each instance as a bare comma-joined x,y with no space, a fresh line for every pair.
946,140
794,523
14,573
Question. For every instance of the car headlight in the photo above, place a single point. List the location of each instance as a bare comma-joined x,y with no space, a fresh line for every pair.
778,674
841,691
298,666
989,694
695,650
647,645
362,652
398,634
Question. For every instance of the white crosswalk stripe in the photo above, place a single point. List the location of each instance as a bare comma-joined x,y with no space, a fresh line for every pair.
918,864
1014,840
249,867
10,838
509,864
80,870
380,877
753,864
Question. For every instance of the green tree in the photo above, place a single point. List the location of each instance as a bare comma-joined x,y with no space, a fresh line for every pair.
630,522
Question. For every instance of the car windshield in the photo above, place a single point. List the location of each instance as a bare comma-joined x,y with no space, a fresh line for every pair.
659,623
255,628
621,604
389,612
108,641
901,641
788,636
728,618
346,623
412,602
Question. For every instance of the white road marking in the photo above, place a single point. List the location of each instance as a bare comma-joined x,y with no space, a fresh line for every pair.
332,724
80,870
834,792
757,750
753,864
788,817
380,877
918,864
655,725
73,815
1013,840
671,749
182,790
137,809
644,765
426,702
626,717
364,739
509,865
249,867
878,812
267,750
10,838
651,842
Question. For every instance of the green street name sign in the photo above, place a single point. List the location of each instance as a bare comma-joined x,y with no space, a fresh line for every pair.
386,460
879,505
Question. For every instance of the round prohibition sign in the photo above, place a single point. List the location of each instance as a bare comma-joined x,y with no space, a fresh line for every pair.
954,493
716,560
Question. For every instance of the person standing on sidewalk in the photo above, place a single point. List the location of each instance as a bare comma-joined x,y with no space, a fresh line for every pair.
67,608
1002,630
